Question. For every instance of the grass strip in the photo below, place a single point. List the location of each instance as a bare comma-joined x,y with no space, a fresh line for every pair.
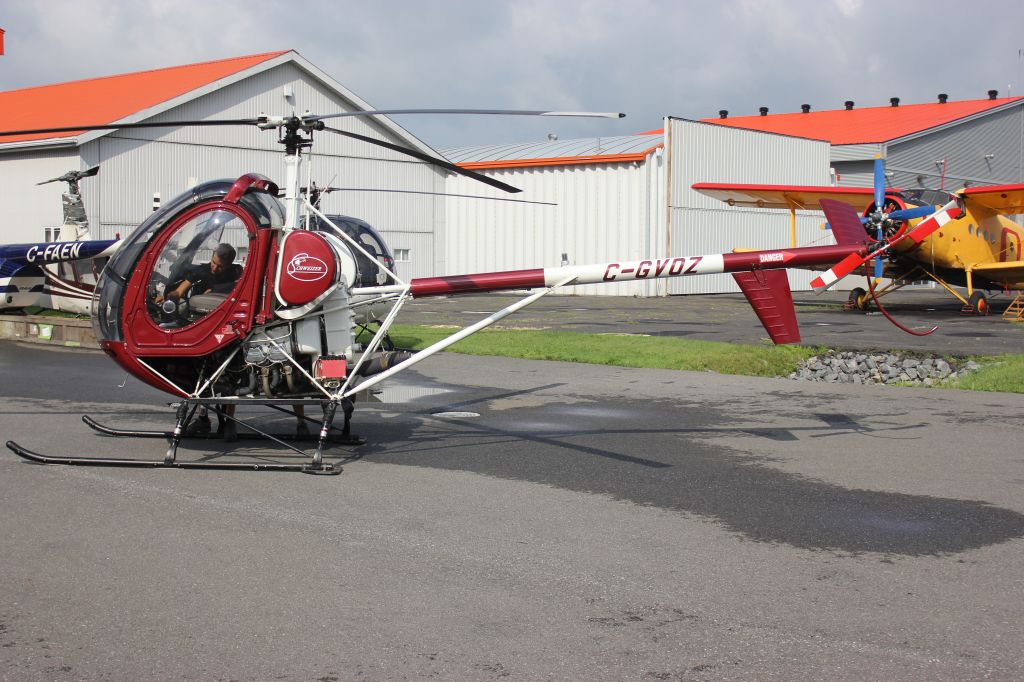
1003,373
620,350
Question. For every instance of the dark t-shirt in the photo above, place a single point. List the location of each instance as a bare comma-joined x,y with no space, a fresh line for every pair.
204,281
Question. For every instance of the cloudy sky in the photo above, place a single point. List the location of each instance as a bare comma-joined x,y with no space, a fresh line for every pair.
648,58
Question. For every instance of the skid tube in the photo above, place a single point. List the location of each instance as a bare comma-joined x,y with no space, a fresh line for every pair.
184,413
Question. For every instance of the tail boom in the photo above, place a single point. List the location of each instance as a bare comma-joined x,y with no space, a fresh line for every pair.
628,271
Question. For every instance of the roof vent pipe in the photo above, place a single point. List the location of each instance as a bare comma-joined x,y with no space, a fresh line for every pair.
805,108
848,104
943,97
894,101
723,113
992,94
764,111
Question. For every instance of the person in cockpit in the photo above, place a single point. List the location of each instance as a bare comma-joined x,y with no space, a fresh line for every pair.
218,276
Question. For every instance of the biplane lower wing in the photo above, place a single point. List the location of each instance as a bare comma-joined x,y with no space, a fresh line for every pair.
1010,275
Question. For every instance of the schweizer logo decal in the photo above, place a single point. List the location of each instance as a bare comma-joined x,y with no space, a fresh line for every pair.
306,268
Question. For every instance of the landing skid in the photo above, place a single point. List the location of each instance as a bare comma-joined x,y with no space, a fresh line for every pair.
184,414
334,438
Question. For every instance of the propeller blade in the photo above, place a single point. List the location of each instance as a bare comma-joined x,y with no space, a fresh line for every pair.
915,212
118,126
498,112
429,159
879,183
926,227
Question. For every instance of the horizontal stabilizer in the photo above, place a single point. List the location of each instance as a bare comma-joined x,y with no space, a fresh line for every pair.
769,294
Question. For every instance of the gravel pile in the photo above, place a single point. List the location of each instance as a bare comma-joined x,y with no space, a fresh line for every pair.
864,368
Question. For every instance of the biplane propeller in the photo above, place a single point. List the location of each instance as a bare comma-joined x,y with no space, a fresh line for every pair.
283,329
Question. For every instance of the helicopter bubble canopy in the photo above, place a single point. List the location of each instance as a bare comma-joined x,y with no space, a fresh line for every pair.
168,242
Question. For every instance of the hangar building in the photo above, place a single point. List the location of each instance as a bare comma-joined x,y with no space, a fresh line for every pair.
136,164
932,145
630,197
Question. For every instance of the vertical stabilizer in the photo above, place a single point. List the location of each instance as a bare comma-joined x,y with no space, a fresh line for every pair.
769,294
845,222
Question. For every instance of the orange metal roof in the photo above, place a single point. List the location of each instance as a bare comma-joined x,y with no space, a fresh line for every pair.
866,125
111,98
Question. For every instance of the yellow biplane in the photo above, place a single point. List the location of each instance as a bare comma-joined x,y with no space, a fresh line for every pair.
978,249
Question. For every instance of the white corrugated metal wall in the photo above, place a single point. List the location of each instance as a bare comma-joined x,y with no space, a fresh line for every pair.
609,212
601,214
703,152
27,208
137,163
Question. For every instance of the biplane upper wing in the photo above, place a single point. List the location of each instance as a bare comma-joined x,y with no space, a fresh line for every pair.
1001,199
785,196
1009,274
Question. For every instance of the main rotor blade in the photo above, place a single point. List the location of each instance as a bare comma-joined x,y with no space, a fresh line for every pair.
328,190
497,112
118,126
73,176
429,159
926,227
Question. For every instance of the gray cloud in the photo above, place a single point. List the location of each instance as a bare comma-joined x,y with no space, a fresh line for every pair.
649,58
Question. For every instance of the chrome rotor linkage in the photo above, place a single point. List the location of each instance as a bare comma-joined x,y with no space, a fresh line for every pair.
186,411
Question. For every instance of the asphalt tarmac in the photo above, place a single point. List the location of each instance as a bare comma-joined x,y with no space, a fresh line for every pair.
522,520
729,318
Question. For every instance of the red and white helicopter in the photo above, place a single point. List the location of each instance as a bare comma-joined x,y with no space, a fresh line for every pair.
59,275
284,330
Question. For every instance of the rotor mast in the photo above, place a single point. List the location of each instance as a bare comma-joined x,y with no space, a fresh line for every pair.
290,129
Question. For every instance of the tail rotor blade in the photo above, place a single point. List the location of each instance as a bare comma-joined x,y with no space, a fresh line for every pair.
925,228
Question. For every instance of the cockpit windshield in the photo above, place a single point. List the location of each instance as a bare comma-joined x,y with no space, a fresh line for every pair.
927,197
205,256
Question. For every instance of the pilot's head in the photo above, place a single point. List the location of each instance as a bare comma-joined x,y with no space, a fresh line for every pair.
222,259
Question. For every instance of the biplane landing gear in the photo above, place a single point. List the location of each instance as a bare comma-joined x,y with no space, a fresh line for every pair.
186,411
977,304
859,300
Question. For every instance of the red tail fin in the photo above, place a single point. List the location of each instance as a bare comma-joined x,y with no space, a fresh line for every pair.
844,221
768,293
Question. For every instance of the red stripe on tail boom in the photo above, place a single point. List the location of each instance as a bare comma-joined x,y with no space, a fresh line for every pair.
479,282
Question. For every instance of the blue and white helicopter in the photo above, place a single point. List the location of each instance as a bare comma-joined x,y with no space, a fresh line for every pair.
60,275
